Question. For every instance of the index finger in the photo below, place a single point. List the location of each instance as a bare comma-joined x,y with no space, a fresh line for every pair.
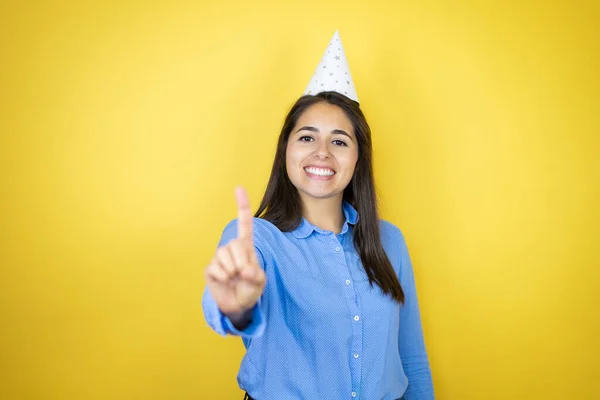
244,214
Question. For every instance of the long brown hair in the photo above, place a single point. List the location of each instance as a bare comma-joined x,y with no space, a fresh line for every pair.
281,203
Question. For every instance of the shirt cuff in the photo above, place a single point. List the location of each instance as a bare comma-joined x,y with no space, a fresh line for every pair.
255,328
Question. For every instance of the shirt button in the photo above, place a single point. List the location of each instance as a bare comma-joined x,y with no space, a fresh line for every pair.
355,355
347,281
353,394
356,317
337,248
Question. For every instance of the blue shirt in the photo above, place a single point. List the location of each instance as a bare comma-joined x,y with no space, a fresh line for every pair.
319,330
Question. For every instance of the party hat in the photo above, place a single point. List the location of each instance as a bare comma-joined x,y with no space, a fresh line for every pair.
333,73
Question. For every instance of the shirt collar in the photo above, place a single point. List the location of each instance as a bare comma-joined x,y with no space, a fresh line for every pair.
306,228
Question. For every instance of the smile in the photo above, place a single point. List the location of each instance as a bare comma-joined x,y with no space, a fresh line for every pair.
320,172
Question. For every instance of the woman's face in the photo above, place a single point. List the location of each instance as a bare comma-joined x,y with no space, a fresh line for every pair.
322,151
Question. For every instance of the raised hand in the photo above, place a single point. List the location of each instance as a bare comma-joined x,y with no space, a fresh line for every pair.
234,277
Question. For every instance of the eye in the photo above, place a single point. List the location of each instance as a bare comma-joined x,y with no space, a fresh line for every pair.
338,142
306,139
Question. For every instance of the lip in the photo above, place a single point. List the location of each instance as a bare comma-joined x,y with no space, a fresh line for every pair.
319,166
318,177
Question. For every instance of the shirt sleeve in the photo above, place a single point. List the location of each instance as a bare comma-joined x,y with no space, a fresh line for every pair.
214,317
411,343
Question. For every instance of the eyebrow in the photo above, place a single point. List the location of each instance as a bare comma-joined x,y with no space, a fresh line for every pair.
335,131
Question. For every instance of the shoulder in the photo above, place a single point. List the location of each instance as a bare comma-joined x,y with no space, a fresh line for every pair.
394,244
389,231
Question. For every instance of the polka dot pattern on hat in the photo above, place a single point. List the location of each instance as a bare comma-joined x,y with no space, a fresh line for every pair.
333,72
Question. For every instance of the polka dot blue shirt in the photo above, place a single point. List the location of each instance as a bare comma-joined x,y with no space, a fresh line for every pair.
320,330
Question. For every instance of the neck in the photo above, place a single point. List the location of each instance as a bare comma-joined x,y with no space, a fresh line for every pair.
327,214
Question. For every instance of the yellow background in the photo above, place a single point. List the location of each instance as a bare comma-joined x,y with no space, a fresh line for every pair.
126,126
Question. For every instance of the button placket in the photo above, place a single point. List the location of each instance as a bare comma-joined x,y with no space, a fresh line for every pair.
339,252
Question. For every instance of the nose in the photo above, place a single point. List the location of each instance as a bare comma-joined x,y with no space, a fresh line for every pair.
322,150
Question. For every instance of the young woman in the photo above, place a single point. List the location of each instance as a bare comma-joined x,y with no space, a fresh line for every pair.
319,288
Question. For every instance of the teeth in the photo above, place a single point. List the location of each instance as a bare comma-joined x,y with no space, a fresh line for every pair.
319,171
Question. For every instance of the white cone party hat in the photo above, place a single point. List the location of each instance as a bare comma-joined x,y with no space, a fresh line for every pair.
333,73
